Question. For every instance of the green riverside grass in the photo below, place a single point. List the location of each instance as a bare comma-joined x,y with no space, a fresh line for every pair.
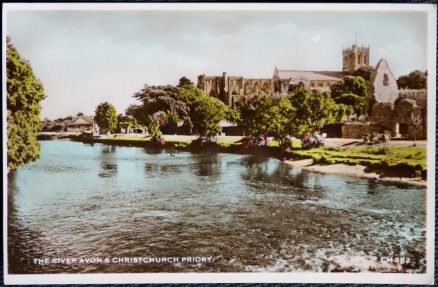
403,158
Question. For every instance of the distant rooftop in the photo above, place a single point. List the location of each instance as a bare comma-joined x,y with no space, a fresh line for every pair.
309,75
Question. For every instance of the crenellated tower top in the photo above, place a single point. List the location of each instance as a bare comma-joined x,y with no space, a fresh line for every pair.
355,57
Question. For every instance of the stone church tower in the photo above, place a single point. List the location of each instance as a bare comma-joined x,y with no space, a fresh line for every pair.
355,57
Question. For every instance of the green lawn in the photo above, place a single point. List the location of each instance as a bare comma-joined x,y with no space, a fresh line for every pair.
227,143
404,157
296,143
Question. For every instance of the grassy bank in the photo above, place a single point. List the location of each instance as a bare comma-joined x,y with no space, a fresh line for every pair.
409,161
388,161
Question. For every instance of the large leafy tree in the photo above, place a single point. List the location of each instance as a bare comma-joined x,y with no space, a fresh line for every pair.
416,80
205,112
106,116
353,92
165,100
312,111
24,94
256,114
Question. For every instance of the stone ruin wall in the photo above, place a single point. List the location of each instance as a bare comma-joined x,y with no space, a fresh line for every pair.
232,90
383,86
357,130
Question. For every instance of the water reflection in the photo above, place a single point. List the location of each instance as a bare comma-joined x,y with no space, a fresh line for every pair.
107,162
206,165
19,251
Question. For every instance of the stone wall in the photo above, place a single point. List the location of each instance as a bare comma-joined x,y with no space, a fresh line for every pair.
357,130
420,96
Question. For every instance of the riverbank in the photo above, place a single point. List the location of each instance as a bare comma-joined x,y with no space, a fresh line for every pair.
360,171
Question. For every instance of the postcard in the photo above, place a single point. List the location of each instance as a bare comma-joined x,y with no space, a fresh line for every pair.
208,143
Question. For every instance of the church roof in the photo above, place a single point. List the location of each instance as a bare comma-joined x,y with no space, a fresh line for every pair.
308,75
81,120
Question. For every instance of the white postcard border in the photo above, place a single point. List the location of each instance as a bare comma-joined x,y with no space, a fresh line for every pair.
311,277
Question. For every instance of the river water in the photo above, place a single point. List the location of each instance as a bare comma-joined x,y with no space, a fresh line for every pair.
226,212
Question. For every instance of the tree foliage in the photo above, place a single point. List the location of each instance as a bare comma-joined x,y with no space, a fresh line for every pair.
166,100
281,116
255,116
363,72
312,111
299,113
127,122
416,80
353,92
106,116
24,94
205,112
184,81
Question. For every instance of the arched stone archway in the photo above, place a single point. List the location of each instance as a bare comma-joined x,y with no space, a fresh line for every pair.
256,88
265,87
247,88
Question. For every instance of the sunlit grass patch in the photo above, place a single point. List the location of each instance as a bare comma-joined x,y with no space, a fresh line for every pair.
413,158
227,143
296,143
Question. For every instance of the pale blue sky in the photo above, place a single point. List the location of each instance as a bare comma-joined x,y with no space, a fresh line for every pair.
86,57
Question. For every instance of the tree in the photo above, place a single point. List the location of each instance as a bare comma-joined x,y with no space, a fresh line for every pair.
126,122
79,114
106,116
282,117
205,112
265,116
353,92
415,120
416,80
24,94
165,100
255,116
184,81
312,111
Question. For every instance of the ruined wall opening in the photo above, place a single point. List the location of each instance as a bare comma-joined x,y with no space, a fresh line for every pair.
385,79
404,129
